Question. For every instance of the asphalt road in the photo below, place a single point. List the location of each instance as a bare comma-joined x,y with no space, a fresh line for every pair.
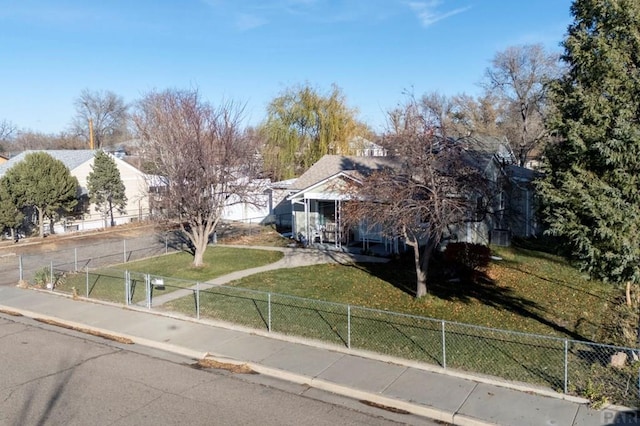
55,376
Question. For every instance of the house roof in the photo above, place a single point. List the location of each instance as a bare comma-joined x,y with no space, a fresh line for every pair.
69,157
482,149
331,165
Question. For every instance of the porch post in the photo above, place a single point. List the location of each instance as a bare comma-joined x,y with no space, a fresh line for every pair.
306,219
336,236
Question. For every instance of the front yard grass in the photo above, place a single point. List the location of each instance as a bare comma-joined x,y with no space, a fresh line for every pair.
526,291
108,283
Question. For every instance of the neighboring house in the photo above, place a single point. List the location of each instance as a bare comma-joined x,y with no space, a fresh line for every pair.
79,163
255,208
362,147
280,205
318,195
511,211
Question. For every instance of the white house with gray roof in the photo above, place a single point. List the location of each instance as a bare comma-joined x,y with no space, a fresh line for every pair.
319,194
79,163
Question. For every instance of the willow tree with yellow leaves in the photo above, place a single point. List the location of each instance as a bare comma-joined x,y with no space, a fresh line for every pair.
302,125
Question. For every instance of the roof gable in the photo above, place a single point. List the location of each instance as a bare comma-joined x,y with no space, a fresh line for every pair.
331,165
70,158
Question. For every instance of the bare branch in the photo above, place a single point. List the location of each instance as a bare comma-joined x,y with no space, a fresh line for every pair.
202,159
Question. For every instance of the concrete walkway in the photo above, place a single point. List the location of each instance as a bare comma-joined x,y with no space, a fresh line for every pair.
292,258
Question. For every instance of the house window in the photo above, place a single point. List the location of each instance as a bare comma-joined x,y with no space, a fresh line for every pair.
479,208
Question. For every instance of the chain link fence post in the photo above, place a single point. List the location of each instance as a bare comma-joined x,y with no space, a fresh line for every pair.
197,300
86,268
566,366
75,259
127,285
269,312
349,326
444,346
20,268
147,284
124,255
51,275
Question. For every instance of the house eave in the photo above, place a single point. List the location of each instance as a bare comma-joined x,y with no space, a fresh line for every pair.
304,193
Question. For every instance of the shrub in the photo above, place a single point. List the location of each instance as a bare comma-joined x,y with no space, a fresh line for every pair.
42,278
469,256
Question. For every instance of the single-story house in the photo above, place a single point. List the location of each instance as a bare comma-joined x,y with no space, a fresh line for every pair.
318,195
79,163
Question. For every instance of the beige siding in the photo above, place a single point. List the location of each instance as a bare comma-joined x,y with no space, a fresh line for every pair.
134,180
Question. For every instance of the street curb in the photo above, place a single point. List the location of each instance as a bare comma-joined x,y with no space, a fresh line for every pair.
416,409
419,410
478,378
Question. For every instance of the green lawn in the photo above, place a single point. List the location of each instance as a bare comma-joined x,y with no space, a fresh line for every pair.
108,283
526,291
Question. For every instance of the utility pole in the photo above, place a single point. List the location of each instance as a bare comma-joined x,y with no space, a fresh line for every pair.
90,133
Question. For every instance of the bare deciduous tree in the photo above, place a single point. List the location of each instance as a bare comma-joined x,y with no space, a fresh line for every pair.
427,193
201,158
7,129
519,76
477,116
463,115
29,140
108,114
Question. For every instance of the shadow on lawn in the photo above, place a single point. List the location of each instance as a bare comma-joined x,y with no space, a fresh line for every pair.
473,286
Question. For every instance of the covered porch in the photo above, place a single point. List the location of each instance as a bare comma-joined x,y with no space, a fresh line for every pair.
318,222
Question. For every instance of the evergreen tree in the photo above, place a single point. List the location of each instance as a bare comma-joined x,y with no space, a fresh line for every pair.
44,183
106,189
591,190
10,215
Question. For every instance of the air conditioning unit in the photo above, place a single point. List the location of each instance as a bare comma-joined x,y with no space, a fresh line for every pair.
501,237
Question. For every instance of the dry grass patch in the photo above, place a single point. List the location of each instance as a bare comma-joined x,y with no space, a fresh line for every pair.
107,336
11,313
234,368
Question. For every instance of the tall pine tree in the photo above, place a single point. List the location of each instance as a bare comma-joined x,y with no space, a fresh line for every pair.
591,191
106,189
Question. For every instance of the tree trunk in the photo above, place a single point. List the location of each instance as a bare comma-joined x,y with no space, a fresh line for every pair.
628,294
200,239
113,223
40,221
421,275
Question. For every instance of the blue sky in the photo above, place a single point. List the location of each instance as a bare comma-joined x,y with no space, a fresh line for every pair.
249,51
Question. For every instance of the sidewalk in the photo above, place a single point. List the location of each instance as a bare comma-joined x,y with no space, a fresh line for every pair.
417,388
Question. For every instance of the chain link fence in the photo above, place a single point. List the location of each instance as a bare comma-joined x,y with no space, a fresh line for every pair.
602,373
116,252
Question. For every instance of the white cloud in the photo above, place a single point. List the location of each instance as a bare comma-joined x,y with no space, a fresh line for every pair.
428,11
246,22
